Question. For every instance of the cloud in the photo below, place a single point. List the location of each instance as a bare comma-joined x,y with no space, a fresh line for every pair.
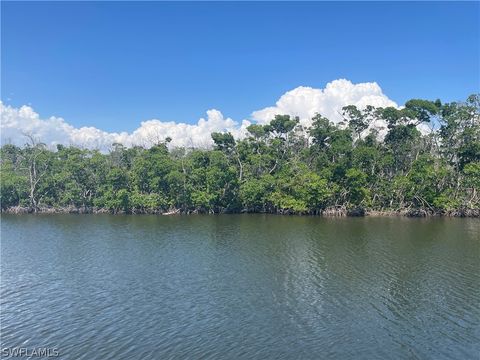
16,122
302,101
305,102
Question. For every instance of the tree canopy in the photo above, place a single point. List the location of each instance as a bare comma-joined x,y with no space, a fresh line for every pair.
280,167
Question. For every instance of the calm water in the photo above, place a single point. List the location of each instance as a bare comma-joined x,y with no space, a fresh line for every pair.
241,287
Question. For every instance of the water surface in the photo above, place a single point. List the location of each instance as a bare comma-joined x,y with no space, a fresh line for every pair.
241,287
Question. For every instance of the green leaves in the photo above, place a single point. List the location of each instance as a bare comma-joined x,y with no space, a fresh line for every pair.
223,141
283,124
279,167
13,185
356,181
357,120
422,110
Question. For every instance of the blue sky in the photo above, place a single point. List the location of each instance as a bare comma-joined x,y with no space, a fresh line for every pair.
114,64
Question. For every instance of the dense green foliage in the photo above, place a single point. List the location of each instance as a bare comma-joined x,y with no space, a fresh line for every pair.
280,167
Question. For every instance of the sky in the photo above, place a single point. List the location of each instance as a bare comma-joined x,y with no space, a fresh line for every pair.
116,66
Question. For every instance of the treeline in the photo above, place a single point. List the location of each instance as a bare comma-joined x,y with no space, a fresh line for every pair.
281,167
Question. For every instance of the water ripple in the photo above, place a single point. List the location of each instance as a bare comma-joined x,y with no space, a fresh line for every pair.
241,287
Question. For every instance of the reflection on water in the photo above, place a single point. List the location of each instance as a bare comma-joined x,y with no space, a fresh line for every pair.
241,287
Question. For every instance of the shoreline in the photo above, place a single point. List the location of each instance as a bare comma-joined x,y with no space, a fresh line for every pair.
358,212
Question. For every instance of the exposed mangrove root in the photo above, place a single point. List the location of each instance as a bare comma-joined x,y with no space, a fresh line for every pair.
329,212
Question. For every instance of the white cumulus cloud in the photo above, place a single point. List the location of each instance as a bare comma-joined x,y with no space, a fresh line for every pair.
305,102
302,101
16,122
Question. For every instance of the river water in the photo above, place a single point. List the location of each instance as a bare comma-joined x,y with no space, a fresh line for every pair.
241,287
